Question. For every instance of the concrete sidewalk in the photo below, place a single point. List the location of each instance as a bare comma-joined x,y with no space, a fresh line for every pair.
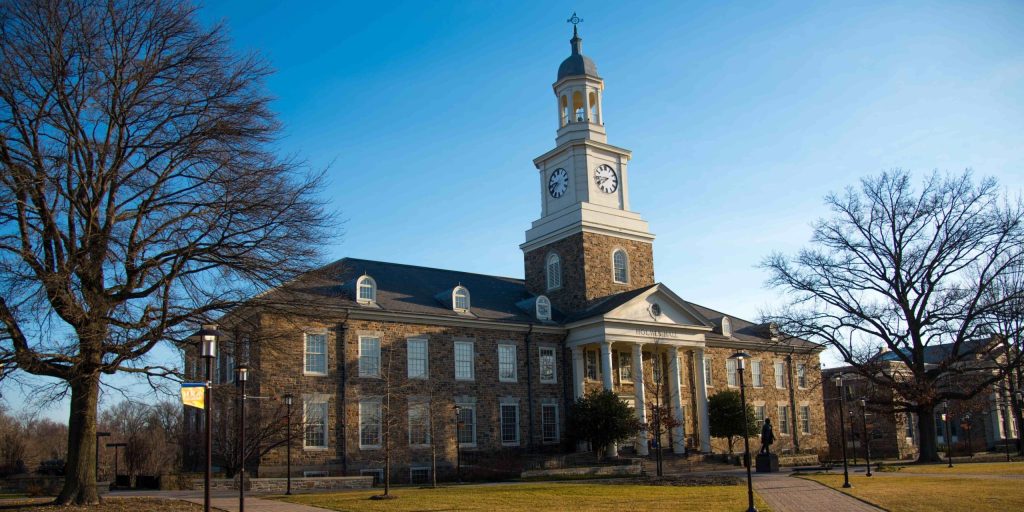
255,505
784,493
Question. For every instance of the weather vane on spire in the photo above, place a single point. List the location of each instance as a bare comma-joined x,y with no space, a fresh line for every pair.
575,20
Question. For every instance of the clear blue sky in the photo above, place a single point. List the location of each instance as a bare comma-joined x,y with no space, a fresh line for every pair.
741,117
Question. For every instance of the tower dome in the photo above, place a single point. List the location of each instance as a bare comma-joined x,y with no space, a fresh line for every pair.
577,64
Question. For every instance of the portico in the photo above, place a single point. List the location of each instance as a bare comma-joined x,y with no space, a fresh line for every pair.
645,348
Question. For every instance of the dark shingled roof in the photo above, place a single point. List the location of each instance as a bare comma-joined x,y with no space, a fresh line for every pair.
422,290
934,354
746,330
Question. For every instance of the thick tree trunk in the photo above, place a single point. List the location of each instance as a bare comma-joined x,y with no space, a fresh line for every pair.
929,451
80,471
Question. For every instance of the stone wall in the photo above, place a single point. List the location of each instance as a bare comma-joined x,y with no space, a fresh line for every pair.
282,373
587,269
280,485
771,397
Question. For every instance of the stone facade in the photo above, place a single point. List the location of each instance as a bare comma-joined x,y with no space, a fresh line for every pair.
587,269
772,398
343,389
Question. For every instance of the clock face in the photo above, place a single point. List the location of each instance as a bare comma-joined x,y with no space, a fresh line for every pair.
558,183
606,179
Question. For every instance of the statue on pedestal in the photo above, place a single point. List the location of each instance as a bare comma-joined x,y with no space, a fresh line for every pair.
767,436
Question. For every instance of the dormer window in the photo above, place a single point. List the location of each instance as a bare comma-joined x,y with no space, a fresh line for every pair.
366,290
620,266
543,308
460,299
554,271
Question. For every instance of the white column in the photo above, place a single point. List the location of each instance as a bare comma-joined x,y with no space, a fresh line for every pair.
606,379
676,400
641,403
702,400
606,365
578,373
578,387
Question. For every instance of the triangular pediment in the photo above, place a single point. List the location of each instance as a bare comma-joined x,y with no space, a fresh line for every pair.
660,305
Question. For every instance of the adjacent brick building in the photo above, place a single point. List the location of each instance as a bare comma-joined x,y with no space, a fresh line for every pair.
373,350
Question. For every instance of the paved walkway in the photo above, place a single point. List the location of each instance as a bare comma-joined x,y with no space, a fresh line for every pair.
784,493
256,505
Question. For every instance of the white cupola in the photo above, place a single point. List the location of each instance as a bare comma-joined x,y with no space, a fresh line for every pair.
578,90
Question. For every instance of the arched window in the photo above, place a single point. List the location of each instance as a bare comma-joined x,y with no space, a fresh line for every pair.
565,110
366,289
593,106
543,308
460,299
579,110
620,266
554,271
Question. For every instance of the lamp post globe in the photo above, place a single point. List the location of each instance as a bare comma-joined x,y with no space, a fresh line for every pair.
207,338
739,357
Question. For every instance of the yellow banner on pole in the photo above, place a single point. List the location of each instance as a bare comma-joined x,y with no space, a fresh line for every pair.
193,393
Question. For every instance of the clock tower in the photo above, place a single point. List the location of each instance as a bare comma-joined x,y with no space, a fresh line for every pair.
587,244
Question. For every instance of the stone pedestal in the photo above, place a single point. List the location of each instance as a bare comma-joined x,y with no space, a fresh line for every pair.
767,463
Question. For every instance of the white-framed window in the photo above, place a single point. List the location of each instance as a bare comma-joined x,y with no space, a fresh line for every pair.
370,412
707,373
460,299
759,414
784,419
419,423
369,356
507,363
625,367
366,289
316,354
656,367
730,372
467,425
510,424
620,266
543,308
780,375
416,350
464,360
548,373
756,378
314,421
805,419
377,474
554,271
801,375
315,474
909,430
591,356
549,423
419,474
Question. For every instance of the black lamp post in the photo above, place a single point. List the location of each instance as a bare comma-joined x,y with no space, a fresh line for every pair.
866,436
208,337
458,446
842,430
288,403
965,425
98,436
739,357
1016,408
241,375
949,433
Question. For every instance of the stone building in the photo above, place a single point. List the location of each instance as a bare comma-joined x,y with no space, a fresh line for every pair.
373,349
984,422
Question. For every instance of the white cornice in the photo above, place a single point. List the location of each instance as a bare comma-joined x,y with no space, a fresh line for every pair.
417,318
582,142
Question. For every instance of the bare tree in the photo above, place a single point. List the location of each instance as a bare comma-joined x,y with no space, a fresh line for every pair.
139,193
1009,324
906,271
660,417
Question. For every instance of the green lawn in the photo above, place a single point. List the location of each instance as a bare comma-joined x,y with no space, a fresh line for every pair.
968,468
931,494
536,497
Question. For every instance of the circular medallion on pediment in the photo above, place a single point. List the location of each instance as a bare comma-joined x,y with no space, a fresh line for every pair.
655,310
